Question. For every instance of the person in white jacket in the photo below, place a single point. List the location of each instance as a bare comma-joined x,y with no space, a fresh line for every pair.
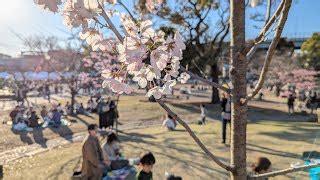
170,123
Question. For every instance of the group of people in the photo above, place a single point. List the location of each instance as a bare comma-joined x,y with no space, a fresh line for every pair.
99,159
23,117
108,112
305,102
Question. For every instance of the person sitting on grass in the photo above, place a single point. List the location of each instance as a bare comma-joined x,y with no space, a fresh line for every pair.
92,105
44,114
170,123
56,117
146,163
33,120
112,154
80,109
14,113
263,165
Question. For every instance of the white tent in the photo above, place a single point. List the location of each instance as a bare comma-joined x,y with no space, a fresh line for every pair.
5,75
42,75
54,76
18,76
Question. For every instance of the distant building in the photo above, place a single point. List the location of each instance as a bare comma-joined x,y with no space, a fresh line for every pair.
4,56
62,61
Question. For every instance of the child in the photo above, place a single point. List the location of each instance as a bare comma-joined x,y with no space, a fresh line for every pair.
146,162
263,165
203,113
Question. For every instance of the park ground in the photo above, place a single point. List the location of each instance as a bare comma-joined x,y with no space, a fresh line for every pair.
283,143
271,133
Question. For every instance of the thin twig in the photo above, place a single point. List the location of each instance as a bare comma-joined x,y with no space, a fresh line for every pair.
284,171
268,14
111,25
128,11
265,29
271,49
194,137
216,85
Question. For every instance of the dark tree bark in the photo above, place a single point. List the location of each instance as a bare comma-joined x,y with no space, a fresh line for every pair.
215,99
238,79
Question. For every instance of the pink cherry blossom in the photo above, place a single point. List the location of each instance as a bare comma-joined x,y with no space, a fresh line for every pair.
51,5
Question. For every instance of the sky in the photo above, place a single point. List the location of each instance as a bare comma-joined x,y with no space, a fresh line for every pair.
22,18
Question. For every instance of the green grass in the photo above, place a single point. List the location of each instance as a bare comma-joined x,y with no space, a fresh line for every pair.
283,143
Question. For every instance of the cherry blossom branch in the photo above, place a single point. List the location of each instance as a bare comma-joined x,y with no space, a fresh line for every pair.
194,137
284,171
265,29
119,36
271,49
216,85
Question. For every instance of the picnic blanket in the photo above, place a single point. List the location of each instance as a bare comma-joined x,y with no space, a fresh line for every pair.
126,173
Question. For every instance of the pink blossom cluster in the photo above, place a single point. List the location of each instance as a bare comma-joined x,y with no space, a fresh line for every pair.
146,55
303,79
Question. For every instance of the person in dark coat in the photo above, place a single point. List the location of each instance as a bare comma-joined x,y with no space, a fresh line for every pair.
33,120
290,103
103,111
112,114
226,114
92,163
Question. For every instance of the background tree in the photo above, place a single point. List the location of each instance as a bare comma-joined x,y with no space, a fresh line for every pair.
204,26
311,52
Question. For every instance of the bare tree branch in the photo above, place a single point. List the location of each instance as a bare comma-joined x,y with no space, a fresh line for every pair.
268,14
216,85
110,24
265,29
271,49
284,171
128,11
194,137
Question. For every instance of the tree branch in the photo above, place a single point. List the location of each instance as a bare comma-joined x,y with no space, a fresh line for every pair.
194,137
271,49
268,14
216,85
110,24
264,30
128,11
284,171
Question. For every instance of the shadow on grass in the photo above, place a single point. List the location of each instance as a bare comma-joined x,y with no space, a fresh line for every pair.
265,150
256,114
187,163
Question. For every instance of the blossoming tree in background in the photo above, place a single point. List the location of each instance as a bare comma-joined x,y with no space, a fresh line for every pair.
153,60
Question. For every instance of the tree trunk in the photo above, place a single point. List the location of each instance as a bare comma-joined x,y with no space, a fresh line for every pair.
238,79
215,78
73,95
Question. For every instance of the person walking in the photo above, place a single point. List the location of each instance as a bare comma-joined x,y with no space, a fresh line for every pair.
226,114
92,163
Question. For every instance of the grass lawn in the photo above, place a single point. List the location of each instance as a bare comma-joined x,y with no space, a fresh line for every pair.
282,142
132,110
